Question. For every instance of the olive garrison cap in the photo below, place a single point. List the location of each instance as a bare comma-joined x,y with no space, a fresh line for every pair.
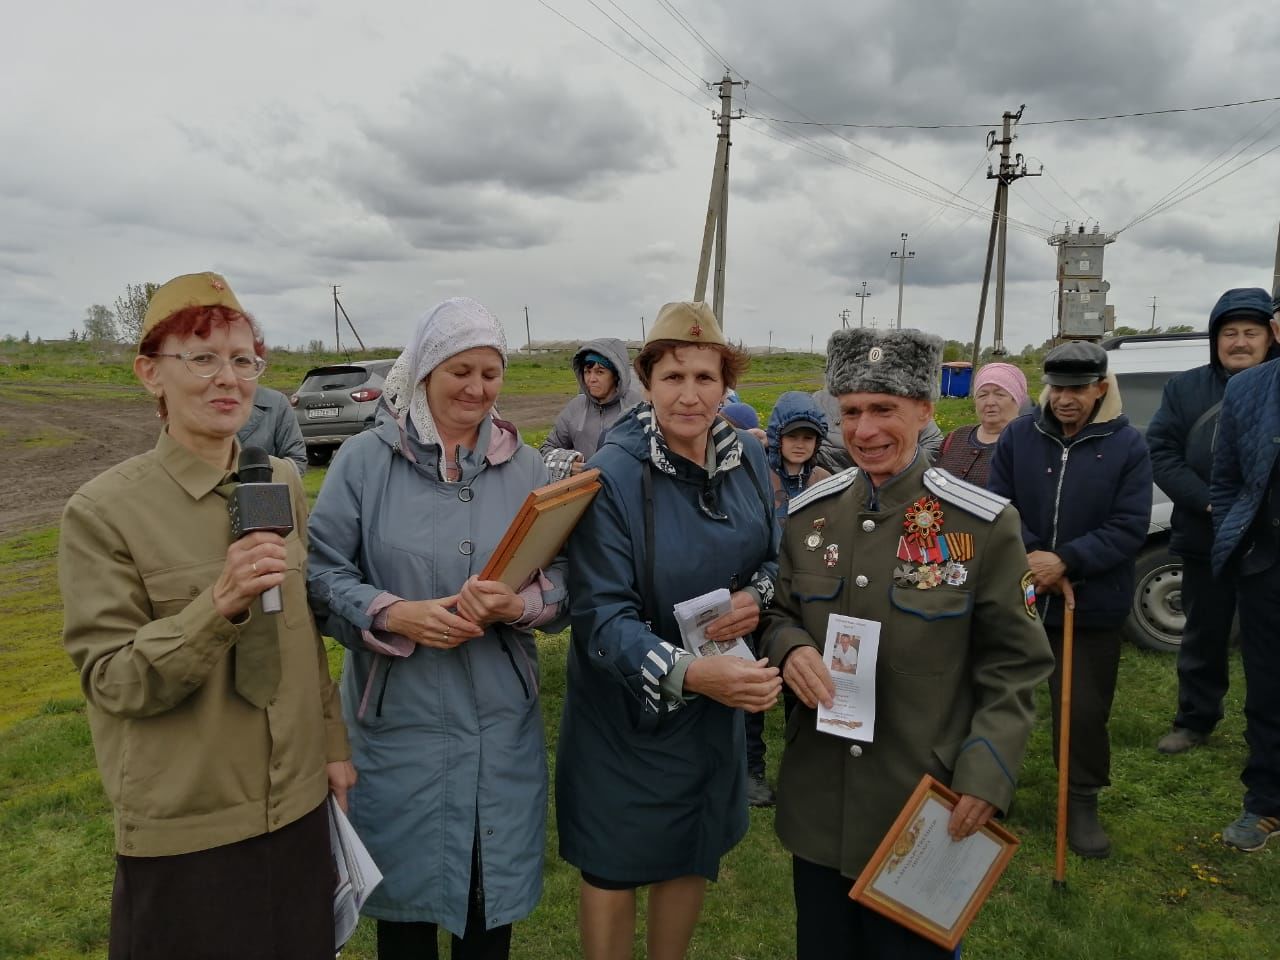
1075,364
692,321
188,290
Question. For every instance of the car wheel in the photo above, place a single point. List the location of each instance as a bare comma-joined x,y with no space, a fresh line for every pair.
1156,619
319,456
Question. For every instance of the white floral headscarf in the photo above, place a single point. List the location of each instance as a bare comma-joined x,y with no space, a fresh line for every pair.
444,331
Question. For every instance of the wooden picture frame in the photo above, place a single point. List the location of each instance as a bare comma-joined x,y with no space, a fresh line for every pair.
541,528
902,880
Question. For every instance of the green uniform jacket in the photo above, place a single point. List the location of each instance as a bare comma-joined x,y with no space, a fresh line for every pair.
186,762
957,664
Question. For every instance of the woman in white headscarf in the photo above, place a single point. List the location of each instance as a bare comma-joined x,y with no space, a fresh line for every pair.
440,682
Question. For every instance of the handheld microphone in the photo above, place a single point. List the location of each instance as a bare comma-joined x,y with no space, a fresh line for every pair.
258,504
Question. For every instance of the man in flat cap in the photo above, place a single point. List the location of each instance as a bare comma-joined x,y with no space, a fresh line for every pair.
1181,438
939,564
1080,477
1245,494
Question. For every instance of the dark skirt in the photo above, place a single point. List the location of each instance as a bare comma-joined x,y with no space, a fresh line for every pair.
266,898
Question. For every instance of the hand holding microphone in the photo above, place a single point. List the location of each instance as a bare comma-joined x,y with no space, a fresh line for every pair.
261,516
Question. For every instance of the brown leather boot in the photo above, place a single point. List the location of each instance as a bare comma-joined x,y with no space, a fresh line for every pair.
1085,835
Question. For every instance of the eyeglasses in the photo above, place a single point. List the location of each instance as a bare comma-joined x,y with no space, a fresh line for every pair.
208,365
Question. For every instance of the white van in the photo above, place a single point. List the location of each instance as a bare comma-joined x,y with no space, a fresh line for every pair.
1143,364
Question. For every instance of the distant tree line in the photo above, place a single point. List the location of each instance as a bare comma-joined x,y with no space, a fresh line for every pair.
104,324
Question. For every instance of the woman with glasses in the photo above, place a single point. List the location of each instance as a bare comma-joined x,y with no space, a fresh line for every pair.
217,729
651,778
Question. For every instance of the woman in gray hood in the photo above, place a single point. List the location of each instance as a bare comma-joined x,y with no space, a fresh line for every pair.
604,377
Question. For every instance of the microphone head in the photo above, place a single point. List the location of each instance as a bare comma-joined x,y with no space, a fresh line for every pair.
254,466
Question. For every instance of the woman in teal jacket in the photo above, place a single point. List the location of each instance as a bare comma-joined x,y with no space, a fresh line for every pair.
651,773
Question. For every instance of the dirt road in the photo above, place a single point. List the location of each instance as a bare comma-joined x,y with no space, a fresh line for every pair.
54,438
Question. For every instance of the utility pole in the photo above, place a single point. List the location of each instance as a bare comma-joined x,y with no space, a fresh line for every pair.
770,350
642,333
811,343
1153,315
337,305
862,307
902,259
844,318
715,230
1275,279
528,333
1011,169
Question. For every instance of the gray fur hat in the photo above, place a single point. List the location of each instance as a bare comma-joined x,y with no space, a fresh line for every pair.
905,363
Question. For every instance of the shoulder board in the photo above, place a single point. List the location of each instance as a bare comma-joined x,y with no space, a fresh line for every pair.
825,488
980,502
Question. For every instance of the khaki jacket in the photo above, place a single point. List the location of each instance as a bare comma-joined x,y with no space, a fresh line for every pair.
957,667
186,762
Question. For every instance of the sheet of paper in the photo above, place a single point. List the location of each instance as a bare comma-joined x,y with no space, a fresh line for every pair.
930,873
357,874
692,616
850,650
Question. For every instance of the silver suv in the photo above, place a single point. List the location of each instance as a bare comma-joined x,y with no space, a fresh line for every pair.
336,402
1142,365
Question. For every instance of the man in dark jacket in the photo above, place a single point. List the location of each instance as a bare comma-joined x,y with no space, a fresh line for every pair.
1080,476
1245,494
1180,438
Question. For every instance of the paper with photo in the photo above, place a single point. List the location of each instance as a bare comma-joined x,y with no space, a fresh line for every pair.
692,616
356,873
850,651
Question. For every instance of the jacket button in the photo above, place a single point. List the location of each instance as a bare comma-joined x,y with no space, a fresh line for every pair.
195,592
855,751
868,526
861,580
465,547
465,495
489,832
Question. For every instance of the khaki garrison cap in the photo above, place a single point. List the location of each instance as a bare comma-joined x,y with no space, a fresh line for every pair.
188,290
691,321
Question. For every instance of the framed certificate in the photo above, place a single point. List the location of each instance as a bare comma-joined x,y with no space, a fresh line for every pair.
921,878
540,529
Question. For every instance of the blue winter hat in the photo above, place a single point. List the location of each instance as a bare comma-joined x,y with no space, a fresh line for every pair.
741,415
1243,303
592,357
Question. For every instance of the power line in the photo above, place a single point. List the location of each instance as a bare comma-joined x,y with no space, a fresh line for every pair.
1064,190
690,29
649,50
1188,196
675,55
622,56
1025,123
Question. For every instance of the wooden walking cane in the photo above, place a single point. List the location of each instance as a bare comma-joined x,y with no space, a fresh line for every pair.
1064,732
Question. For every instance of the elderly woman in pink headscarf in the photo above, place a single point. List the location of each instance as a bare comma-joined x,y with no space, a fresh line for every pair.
999,394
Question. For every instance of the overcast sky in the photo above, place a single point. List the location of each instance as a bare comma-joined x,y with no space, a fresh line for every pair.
411,151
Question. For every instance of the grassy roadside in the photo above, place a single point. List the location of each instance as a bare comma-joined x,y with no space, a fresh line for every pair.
1171,891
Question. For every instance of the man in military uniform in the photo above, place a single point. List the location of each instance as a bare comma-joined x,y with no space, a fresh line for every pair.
939,563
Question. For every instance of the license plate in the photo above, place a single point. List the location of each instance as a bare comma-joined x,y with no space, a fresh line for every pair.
319,413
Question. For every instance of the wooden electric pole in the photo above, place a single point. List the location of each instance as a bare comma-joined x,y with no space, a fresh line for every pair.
715,229
844,318
1275,279
528,332
1011,168
1153,315
902,259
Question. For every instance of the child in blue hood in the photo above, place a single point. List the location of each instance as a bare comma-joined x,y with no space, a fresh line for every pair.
796,428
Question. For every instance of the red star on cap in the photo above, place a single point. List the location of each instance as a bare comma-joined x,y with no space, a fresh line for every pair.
695,331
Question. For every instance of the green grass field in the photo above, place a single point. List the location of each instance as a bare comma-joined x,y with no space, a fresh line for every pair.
1170,891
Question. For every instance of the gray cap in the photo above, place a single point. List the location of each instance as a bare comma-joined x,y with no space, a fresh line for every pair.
905,363
1075,364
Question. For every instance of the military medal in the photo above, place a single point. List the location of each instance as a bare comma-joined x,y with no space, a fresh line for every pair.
955,574
814,540
832,554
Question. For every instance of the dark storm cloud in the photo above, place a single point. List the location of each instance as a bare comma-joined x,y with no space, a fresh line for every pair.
911,62
531,135
1242,245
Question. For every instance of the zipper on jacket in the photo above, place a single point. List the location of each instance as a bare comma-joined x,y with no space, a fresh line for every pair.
382,692
506,648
